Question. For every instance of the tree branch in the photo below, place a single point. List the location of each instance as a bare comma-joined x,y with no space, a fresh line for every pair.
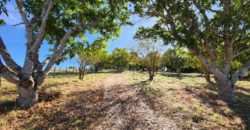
62,44
8,59
212,67
228,40
22,13
28,26
18,24
242,52
241,72
7,74
44,17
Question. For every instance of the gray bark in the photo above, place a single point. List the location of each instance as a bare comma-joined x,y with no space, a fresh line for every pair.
207,76
7,74
226,91
8,59
27,97
225,85
241,72
31,75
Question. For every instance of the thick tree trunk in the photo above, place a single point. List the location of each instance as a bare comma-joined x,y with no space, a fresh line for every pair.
226,91
27,97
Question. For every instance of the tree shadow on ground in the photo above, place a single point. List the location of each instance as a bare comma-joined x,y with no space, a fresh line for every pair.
81,110
63,74
11,105
244,89
241,108
181,76
50,85
58,74
77,110
147,91
7,106
109,72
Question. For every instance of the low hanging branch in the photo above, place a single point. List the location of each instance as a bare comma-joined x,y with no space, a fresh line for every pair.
8,59
241,73
7,74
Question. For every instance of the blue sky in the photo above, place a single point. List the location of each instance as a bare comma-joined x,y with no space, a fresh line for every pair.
14,36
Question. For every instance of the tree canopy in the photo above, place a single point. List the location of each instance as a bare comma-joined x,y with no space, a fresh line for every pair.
210,29
60,23
120,58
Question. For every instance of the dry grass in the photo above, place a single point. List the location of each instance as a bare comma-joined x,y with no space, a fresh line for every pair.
55,113
193,103
188,100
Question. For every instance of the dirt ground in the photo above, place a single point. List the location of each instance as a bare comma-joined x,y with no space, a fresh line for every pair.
128,109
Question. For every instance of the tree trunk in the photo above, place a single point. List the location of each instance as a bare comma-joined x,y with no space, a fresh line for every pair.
151,77
80,73
54,72
83,72
178,70
226,91
96,68
207,77
27,97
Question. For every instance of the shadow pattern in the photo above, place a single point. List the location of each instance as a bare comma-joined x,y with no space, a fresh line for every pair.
240,109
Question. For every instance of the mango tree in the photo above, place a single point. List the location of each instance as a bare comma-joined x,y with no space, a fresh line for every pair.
216,31
57,22
148,51
174,58
133,59
120,58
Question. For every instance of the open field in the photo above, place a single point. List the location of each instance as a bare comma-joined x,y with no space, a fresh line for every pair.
66,102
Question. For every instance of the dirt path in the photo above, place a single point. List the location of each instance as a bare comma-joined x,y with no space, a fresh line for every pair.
126,109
